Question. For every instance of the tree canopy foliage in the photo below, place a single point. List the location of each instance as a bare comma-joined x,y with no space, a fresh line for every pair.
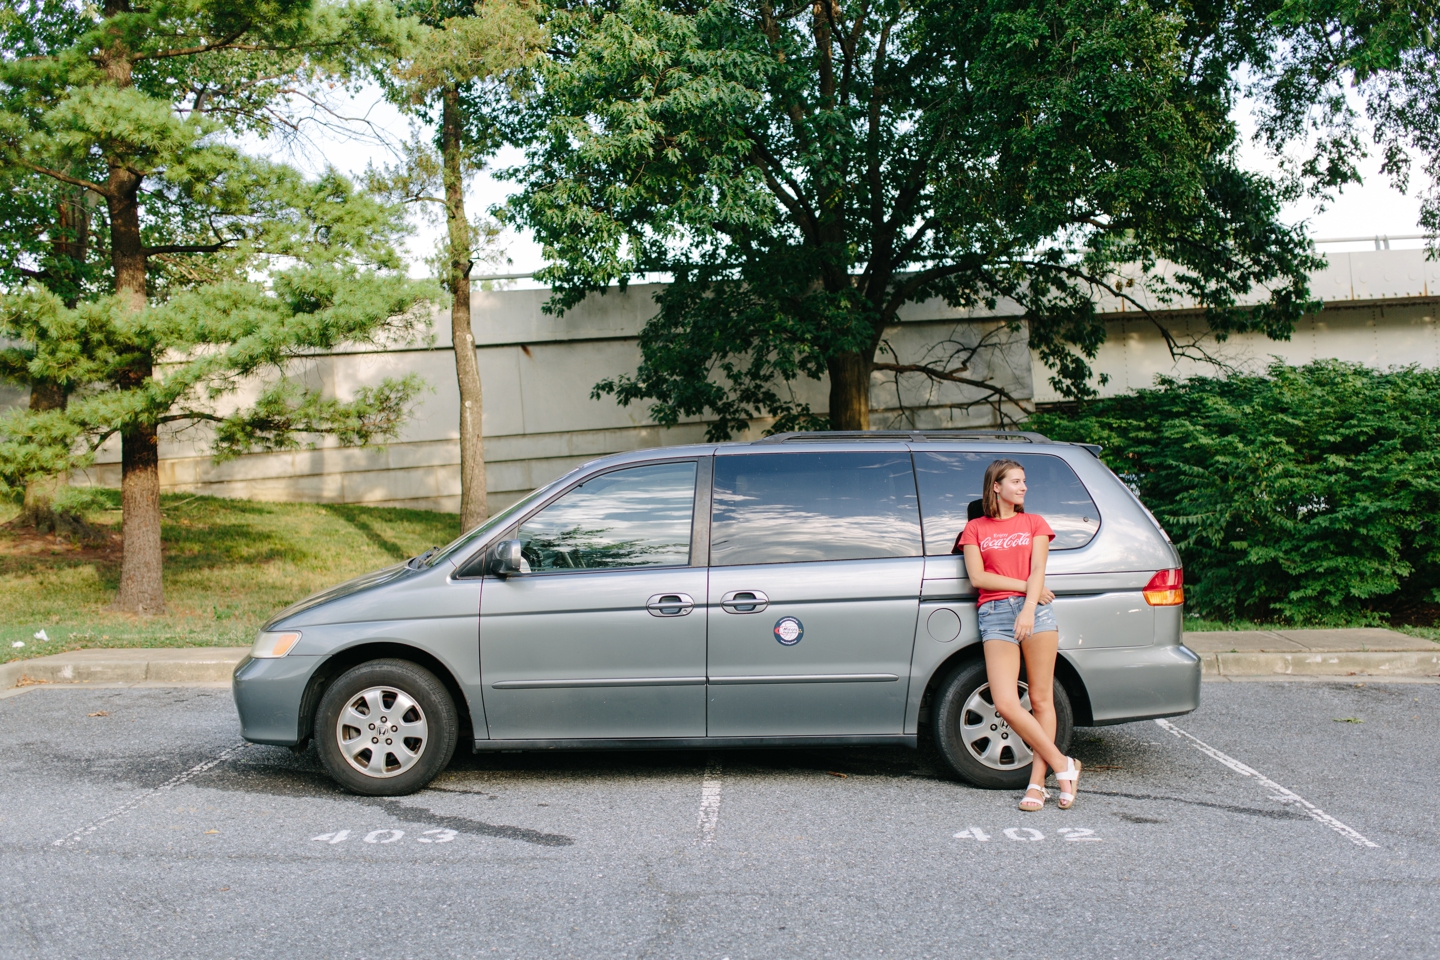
1308,494
805,170
222,264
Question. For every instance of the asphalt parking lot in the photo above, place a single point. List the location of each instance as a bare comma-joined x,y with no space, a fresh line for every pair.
1292,819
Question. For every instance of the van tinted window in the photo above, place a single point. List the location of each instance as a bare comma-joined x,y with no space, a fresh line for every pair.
638,517
792,507
949,481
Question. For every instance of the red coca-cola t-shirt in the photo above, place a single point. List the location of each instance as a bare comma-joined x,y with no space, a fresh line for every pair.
1005,547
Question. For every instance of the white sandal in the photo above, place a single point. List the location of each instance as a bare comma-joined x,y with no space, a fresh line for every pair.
1072,774
1044,795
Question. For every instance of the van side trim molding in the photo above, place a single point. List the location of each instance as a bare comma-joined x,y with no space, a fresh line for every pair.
692,743
599,682
809,678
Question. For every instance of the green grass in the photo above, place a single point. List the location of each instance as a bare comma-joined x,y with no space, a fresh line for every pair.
229,564
1196,624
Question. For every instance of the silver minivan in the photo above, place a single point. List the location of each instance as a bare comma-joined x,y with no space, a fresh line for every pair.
798,590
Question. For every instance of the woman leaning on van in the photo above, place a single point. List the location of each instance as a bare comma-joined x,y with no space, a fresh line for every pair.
1005,553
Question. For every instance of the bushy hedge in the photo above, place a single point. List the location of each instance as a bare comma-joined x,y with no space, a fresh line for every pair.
1310,494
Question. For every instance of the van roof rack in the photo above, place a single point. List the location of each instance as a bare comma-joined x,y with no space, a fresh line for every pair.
918,436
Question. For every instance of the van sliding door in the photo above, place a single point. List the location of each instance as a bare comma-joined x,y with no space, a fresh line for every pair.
815,570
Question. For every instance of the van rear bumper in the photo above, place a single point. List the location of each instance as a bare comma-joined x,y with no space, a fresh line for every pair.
1126,684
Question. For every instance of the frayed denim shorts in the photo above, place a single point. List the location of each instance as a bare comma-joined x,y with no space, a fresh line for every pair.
997,618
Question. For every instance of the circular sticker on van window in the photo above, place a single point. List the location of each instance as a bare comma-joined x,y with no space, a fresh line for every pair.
788,631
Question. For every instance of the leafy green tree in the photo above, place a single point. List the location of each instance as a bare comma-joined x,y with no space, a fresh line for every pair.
805,170
1308,494
222,266
469,60
1330,74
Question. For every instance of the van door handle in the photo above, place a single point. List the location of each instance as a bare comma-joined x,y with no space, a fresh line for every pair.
670,604
744,601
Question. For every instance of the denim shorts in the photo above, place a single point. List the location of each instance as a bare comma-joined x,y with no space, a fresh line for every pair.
997,618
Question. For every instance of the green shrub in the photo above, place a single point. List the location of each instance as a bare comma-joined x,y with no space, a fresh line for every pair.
1310,494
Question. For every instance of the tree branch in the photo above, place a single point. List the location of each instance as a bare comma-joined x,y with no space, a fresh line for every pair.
225,44
187,248
67,178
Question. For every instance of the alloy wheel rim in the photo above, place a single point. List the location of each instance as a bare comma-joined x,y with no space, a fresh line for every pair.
382,731
987,736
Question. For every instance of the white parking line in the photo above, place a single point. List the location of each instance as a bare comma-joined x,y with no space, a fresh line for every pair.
710,801
170,784
1282,794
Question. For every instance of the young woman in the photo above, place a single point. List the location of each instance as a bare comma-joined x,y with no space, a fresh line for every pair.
1005,554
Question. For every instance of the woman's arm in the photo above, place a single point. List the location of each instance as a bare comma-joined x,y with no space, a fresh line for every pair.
1035,592
980,577
975,570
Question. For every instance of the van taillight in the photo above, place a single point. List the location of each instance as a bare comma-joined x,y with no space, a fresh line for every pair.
1166,588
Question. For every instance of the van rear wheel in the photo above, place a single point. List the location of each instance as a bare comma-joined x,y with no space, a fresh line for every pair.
386,728
975,741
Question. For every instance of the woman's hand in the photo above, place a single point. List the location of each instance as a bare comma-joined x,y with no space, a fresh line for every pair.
1046,596
1025,623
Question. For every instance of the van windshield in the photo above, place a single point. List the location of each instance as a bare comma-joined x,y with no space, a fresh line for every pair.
459,545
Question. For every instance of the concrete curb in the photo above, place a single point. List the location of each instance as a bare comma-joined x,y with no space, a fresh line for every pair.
158,665
1322,664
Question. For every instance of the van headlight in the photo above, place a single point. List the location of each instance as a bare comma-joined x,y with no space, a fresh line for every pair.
269,646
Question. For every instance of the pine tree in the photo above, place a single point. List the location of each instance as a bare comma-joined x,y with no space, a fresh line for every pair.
224,267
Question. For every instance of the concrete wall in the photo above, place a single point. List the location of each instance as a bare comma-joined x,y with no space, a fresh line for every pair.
1380,310
538,370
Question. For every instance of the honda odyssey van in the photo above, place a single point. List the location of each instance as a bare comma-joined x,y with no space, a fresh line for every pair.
798,590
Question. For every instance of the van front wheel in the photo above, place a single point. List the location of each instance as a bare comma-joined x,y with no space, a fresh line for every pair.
975,741
386,728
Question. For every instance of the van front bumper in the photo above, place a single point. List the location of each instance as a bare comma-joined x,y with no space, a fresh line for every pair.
1126,684
268,696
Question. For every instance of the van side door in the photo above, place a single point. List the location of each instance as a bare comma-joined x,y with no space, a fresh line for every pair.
604,636
815,570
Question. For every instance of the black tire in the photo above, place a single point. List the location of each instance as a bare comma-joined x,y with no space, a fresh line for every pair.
950,698
429,710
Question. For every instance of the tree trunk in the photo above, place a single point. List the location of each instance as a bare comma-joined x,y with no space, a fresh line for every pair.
39,510
142,589
141,583
473,506
849,392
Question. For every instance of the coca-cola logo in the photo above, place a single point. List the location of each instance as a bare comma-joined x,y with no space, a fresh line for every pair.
1005,541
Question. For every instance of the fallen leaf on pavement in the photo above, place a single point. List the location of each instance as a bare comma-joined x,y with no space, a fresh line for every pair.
1348,720
99,713
842,776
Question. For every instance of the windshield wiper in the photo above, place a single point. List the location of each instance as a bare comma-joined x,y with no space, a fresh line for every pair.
422,561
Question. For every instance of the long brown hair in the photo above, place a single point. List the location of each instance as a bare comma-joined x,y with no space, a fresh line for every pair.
993,475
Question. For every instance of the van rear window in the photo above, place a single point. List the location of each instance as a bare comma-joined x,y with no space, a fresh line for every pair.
950,481
795,507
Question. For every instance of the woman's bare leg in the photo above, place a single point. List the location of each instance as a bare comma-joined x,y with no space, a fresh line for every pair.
1002,668
1040,650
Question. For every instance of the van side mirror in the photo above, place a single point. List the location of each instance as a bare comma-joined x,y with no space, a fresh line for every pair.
505,559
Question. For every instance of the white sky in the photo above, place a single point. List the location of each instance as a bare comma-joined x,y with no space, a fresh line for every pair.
1370,209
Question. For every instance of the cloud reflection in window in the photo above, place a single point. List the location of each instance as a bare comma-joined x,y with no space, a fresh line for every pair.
949,481
794,507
